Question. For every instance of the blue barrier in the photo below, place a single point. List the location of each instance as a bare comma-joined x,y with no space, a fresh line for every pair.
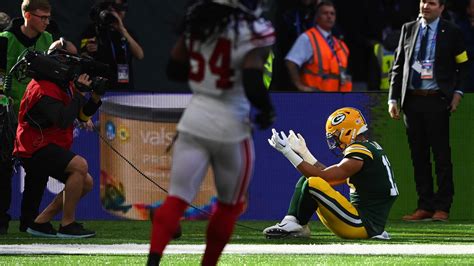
274,178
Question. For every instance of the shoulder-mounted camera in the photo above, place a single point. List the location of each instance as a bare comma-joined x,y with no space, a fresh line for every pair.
61,67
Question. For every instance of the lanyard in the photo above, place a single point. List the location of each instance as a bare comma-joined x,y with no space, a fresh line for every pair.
124,48
333,49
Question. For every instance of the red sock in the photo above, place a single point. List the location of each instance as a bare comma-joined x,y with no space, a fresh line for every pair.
219,231
165,223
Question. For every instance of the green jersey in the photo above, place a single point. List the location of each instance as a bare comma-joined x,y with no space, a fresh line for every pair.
373,189
14,51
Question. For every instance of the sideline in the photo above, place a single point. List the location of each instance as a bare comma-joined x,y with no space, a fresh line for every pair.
140,249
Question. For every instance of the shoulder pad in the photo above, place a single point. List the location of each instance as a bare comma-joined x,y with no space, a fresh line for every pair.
357,148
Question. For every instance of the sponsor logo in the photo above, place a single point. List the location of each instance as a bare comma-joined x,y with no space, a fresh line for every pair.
110,130
123,133
160,137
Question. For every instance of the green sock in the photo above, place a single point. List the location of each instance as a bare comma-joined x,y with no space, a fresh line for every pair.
293,208
306,205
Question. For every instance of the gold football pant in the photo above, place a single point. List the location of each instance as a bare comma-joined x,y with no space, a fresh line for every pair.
335,211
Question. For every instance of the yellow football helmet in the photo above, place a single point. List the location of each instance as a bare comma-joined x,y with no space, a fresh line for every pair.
343,126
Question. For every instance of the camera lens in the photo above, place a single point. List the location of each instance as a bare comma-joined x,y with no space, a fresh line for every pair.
107,18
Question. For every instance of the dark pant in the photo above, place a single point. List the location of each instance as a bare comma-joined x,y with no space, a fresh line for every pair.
32,195
51,160
427,126
7,136
5,191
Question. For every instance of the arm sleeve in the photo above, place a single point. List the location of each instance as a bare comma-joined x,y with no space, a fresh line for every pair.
461,62
52,111
301,52
89,110
255,90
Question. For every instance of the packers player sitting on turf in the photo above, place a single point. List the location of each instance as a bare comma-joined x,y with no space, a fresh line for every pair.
366,169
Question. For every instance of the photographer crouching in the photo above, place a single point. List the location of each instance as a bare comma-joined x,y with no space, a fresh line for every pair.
49,108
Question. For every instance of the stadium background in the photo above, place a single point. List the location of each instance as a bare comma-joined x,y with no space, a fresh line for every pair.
274,177
154,23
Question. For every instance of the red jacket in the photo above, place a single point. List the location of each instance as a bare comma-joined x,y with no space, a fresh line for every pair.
30,139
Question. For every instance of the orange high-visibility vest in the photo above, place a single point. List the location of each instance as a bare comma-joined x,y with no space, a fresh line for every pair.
323,73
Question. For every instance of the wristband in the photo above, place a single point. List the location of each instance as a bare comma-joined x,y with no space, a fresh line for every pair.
309,158
294,158
83,117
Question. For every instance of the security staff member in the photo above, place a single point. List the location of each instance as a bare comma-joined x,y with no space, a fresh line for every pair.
385,60
380,64
318,60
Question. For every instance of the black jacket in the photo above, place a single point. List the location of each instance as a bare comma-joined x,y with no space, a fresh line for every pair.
449,74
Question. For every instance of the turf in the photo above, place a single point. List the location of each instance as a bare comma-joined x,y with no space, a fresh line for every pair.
121,232
226,259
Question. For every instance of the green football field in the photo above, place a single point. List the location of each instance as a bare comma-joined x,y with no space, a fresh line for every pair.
459,234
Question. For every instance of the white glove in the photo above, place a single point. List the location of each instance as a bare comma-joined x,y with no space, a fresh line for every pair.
298,144
282,145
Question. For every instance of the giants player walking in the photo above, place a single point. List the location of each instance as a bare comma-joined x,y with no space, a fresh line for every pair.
221,52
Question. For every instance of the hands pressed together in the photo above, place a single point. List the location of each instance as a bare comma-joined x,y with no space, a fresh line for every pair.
293,147
298,144
279,143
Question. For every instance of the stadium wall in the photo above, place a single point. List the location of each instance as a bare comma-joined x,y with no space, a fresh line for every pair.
274,178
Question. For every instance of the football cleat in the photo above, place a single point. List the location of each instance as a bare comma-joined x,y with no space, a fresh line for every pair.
287,228
383,236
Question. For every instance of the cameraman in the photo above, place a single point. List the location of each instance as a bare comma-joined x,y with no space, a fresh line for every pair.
44,136
108,41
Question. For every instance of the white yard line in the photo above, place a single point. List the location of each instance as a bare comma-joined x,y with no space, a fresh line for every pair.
139,249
